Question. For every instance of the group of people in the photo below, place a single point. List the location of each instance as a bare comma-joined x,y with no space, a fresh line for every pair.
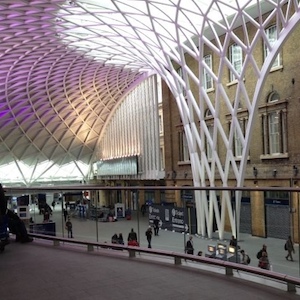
117,239
132,239
263,258
262,254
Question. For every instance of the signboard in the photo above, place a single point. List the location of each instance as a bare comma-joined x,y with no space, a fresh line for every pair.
118,166
120,210
176,219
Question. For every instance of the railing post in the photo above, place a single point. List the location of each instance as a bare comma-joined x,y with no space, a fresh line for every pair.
177,260
90,247
56,243
291,287
131,253
228,271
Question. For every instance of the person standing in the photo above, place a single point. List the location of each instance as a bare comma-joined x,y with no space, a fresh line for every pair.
69,228
132,236
245,260
65,214
149,236
289,246
143,209
263,262
259,253
120,239
189,246
233,241
156,225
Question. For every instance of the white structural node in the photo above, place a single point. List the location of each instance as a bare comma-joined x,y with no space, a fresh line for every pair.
65,65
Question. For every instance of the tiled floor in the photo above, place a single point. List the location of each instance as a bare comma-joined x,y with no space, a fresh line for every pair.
41,271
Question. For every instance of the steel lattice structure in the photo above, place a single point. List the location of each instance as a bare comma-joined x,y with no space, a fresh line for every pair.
65,65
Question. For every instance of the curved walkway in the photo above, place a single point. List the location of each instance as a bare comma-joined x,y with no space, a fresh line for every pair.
41,271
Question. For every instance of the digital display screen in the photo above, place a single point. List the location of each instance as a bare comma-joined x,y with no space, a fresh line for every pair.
222,251
211,248
231,249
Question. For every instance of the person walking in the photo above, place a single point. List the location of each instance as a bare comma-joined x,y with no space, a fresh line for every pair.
149,236
189,246
289,247
69,228
65,212
156,225
245,259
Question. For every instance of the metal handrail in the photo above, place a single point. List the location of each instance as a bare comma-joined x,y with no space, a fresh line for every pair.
292,282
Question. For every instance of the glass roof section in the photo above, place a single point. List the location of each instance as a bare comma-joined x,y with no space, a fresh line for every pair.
66,65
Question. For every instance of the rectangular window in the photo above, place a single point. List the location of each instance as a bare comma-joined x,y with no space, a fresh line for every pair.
162,162
238,147
236,59
180,73
184,154
209,151
271,34
207,79
160,124
274,134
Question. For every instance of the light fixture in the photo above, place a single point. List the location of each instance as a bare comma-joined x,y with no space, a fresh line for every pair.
255,172
274,172
295,170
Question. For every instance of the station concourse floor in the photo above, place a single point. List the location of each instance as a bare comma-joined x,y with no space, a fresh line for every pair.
41,271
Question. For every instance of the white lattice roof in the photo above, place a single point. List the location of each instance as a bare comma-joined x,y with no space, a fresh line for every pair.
65,65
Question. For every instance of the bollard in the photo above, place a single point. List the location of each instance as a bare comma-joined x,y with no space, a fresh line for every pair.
90,248
56,243
291,287
228,271
177,260
131,253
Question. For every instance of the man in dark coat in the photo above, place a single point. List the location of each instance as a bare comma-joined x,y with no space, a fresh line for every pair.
189,246
156,225
132,236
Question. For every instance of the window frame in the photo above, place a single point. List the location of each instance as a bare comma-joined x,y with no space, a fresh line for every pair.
207,78
270,36
236,60
273,116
